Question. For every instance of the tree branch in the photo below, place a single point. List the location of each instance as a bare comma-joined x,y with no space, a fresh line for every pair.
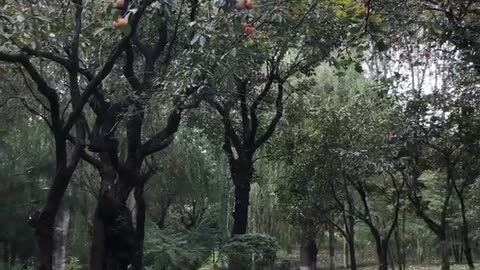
278,115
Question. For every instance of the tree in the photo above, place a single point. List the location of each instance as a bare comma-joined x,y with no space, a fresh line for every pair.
85,79
258,84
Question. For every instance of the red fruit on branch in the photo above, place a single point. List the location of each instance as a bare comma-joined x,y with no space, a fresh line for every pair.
241,5
249,4
248,30
120,23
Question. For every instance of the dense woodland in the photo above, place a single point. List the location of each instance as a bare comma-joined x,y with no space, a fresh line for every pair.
239,134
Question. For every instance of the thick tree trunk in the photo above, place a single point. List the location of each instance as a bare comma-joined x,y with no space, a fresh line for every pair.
97,250
44,232
113,244
113,239
62,221
240,214
44,226
308,255
331,245
242,174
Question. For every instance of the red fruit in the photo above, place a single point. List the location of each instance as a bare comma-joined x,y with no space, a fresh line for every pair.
120,23
249,4
248,30
121,4
241,6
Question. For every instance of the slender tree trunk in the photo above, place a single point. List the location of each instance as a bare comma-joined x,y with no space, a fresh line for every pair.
398,247
331,245
445,254
404,246
382,251
352,254
308,255
62,221
140,227
351,241
345,253
465,231
13,255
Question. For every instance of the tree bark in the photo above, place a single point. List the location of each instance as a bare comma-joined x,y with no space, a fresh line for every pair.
140,227
350,230
381,246
465,231
242,174
351,253
331,245
62,221
113,238
97,250
445,254
308,255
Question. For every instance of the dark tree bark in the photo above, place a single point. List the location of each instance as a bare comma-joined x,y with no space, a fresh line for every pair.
382,240
66,159
242,176
331,245
140,227
465,231
348,230
308,255
438,228
117,242
240,147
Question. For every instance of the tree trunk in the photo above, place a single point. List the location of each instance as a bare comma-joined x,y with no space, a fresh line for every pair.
44,225
140,227
6,254
351,239
465,231
331,245
113,241
398,247
444,249
351,252
242,174
97,251
62,221
44,232
404,246
308,255
382,252
240,214
113,244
